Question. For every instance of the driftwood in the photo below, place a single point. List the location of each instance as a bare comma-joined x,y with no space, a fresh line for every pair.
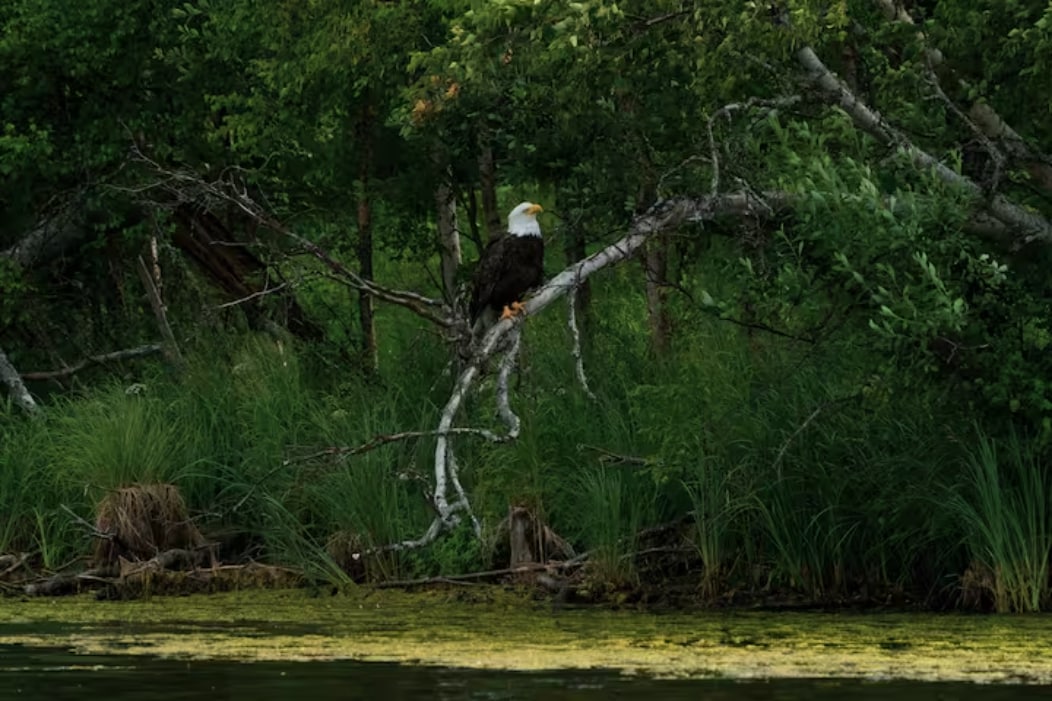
10,563
485,574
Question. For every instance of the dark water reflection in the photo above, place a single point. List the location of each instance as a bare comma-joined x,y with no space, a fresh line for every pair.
34,673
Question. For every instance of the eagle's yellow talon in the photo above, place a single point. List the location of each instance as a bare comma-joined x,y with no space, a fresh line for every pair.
513,310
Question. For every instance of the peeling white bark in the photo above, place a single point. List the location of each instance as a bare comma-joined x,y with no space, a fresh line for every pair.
1032,227
19,394
578,358
507,364
51,237
662,216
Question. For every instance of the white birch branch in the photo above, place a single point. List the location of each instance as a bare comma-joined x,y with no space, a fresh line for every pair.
980,114
664,215
578,357
1032,227
19,394
507,364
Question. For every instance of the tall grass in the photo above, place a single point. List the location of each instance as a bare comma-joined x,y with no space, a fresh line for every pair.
800,477
1003,504
23,482
117,437
614,504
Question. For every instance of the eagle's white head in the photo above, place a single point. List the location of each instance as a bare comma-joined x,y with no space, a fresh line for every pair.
523,220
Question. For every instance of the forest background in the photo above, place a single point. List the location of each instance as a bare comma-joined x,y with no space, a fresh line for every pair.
236,238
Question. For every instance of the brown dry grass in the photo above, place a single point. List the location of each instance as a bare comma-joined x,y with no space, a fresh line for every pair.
141,521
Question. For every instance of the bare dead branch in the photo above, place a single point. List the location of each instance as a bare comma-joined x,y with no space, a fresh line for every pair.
255,295
487,574
578,358
382,440
727,112
608,457
185,186
170,348
507,364
126,354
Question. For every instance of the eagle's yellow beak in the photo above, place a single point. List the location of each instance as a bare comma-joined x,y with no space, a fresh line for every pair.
534,209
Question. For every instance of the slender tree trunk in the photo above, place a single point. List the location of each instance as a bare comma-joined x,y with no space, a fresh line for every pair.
448,235
575,251
472,206
370,357
488,182
655,266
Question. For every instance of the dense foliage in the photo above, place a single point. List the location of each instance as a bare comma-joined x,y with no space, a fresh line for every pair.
845,383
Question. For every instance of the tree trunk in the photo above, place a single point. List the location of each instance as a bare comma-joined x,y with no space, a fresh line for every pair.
575,251
370,357
488,184
655,266
448,235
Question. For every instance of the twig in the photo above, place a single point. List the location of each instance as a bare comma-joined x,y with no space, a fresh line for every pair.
381,440
726,112
265,291
789,440
606,456
92,530
17,562
97,359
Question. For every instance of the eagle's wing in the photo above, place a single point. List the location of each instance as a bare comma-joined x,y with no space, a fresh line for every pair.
491,268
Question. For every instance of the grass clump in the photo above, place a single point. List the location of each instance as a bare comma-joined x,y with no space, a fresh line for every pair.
1003,504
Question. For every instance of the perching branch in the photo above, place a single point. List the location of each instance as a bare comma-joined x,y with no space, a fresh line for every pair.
664,215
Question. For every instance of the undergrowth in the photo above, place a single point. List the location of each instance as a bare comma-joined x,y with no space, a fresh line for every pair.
801,473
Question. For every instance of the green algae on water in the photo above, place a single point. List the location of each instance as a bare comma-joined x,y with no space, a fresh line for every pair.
436,630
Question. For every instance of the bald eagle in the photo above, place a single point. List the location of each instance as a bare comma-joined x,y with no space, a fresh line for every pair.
508,268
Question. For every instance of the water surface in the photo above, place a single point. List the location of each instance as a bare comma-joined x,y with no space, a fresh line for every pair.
271,645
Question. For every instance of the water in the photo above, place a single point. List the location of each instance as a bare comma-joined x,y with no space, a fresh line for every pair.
288,645
33,673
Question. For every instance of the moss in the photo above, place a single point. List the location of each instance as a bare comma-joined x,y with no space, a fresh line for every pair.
436,629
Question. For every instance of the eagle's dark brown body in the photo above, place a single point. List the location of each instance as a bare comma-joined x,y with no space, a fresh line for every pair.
508,269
